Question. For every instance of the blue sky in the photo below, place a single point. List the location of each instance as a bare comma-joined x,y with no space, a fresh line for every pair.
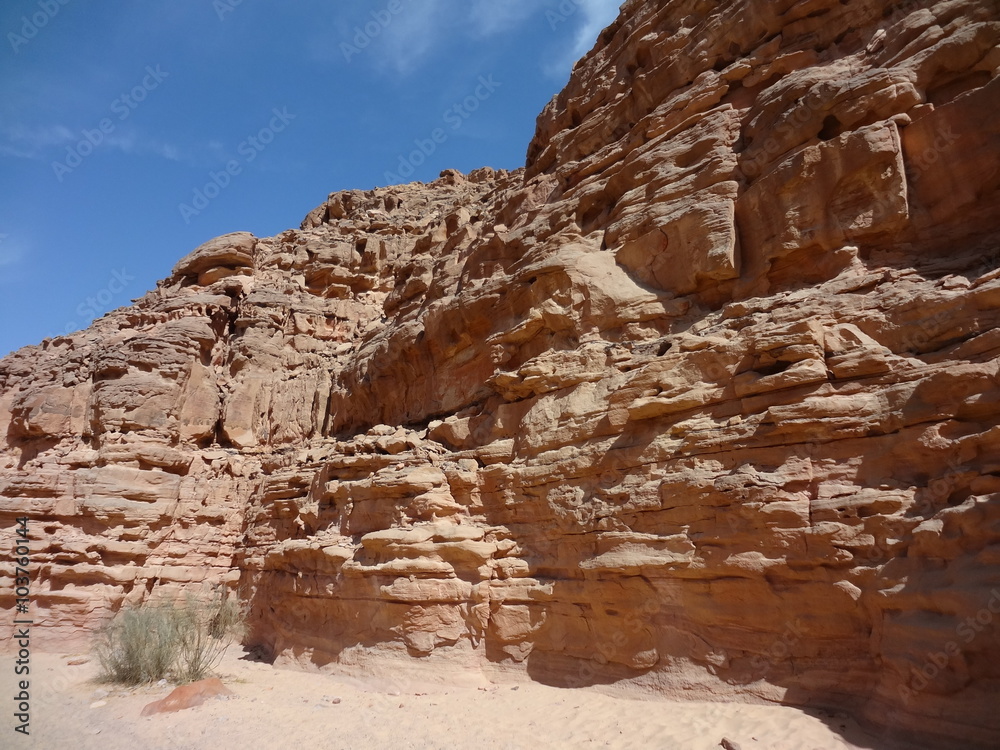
132,132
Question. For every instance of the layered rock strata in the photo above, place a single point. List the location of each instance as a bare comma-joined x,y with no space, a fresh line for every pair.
703,400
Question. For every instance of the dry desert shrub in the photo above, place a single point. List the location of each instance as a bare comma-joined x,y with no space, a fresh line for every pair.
183,641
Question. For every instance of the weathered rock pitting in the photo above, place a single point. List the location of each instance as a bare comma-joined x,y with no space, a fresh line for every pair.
703,400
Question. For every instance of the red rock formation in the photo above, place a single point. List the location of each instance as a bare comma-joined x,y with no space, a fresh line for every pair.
704,400
187,696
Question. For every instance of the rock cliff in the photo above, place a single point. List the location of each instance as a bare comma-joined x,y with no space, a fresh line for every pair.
703,400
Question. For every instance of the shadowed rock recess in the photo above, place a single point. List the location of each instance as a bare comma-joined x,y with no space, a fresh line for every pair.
704,400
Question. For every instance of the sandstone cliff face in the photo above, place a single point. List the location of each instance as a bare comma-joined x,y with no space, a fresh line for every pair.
703,400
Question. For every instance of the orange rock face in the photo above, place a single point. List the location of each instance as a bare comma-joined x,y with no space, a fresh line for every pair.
704,400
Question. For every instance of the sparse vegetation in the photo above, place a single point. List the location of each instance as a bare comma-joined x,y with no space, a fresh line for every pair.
182,641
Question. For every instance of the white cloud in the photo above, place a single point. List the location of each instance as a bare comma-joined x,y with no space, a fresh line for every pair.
412,34
22,142
29,143
420,28
595,15
489,17
167,151
132,143
10,252
403,41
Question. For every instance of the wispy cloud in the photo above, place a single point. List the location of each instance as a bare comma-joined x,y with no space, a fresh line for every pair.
597,14
29,143
133,143
414,33
11,253
588,18
46,142
406,39
420,28
489,17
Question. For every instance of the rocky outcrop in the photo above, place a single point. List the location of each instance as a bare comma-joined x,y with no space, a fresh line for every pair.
187,696
704,400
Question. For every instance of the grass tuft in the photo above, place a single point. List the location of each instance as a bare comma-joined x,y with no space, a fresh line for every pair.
182,641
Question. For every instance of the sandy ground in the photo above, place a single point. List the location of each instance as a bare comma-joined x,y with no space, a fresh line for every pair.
282,708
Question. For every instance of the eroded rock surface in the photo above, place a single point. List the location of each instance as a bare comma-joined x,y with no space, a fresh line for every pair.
187,696
703,400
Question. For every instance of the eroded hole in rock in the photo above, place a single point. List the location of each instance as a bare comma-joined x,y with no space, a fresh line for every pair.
593,217
773,368
958,496
831,128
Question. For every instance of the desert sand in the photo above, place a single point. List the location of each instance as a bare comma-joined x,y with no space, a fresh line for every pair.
286,708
